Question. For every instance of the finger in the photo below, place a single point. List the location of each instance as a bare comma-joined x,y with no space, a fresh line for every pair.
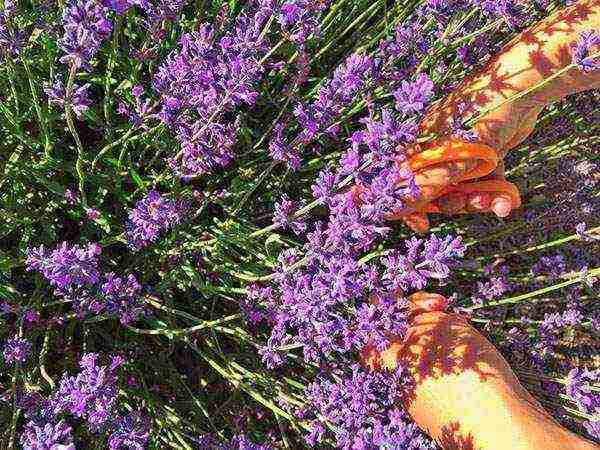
417,222
434,180
481,201
498,173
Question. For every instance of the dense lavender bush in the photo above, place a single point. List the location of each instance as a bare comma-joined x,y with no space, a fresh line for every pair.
195,243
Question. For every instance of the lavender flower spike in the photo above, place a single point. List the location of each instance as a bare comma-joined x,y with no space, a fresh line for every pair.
66,266
86,27
581,51
16,351
47,436
80,100
152,216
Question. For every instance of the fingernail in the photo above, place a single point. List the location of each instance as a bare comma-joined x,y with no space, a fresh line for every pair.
501,206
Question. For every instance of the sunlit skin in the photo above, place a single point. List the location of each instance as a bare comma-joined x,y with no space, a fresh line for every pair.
465,395
530,58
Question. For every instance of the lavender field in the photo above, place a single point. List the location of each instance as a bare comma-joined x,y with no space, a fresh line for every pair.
196,244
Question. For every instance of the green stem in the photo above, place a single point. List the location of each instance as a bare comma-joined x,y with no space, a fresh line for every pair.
71,125
42,118
556,287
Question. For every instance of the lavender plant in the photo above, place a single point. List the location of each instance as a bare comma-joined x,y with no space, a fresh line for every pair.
194,236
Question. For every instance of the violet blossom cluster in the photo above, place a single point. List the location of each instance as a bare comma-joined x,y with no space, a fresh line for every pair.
141,111
320,117
122,6
11,38
582,50
86,26
49,435
79,101
66,267
153,215
204,81
130,431
74,272
16,351
283,216
122,297
580,382
239,442
361,410
92,396
299,19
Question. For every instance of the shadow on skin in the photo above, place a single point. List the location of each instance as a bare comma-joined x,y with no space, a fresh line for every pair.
444,351
438,344
499,80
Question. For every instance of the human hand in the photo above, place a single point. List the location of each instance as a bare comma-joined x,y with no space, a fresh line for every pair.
506,109
465,396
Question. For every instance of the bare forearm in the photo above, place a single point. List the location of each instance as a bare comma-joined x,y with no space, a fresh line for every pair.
465,395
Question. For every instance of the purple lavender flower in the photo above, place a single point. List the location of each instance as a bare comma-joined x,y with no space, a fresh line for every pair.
281,151
66,266
122,6
492,289
164,10
141,111
251,304
337,93
588,40
425,259
91,394
284,216
80,101
299,19
86,27
16,351
202,82
11,40
122,298
325,186
130,431
152,216
578,387
71,196
241,442
359,406
92,214
508,9
412,98
52,435
552,266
